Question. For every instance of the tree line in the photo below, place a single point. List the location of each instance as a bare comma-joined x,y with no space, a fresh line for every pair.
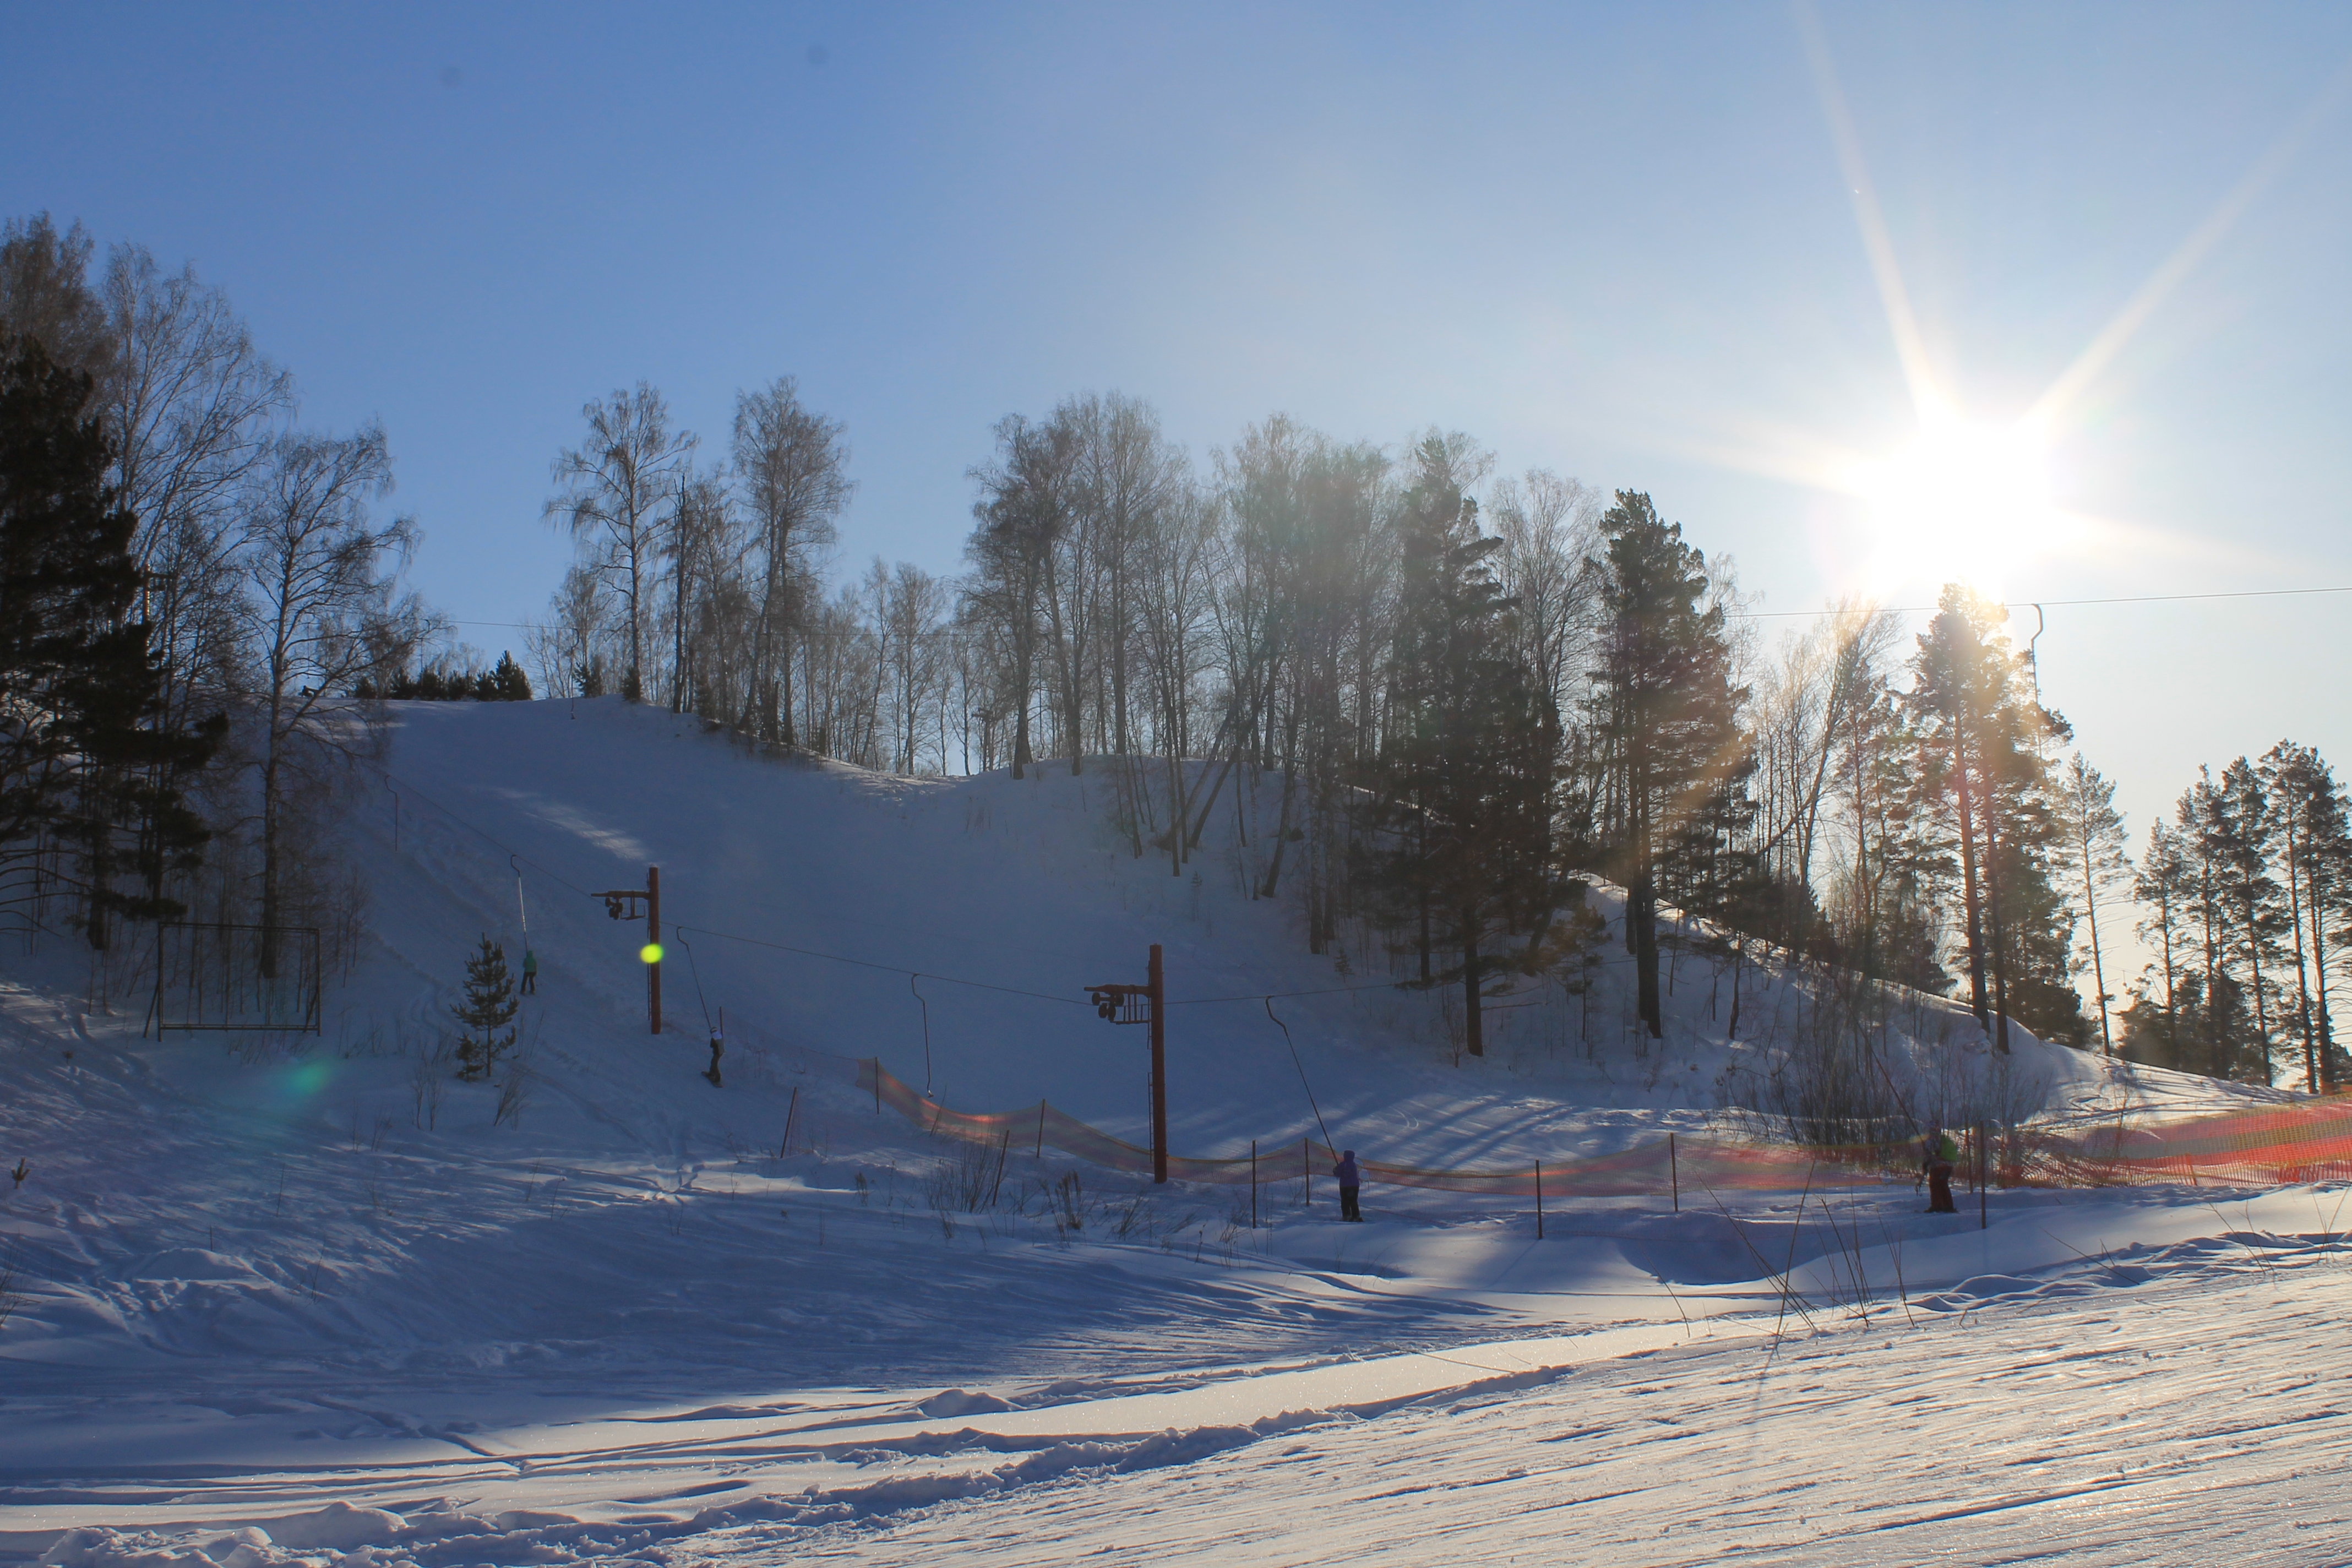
2246,898
192,582
1459,695
1437,700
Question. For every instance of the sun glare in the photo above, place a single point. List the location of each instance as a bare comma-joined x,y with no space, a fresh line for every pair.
1961,502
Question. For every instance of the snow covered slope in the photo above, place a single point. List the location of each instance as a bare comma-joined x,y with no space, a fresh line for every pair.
248,1277
1025,885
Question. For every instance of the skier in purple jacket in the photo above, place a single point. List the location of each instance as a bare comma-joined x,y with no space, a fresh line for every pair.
1351,1182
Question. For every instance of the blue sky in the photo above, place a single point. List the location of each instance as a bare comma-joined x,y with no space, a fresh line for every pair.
1618,242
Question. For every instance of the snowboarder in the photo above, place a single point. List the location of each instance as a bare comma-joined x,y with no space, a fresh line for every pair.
717,1049
529,972
1939,1155
1351,1182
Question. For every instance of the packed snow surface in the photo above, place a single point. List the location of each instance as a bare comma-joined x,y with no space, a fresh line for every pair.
274,1299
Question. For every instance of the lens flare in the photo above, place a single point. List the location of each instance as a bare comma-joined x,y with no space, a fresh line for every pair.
650,952
1961,501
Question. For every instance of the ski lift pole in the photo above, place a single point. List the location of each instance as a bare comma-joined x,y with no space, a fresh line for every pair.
1118,1004
621,904
1159,1072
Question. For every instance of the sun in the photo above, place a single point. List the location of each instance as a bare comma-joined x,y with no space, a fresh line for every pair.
1960,502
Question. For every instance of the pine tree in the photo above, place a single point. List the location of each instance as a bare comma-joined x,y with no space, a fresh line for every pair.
2164,887
2231,1041
508,682
490,1006
2095,864
1981,759
87,750
2309,844
1467,762
1668,712
2240,822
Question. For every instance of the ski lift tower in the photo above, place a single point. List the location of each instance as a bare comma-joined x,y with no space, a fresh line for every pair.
1145,1004
621,904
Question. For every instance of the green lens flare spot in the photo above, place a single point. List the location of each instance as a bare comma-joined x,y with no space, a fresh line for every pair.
650,952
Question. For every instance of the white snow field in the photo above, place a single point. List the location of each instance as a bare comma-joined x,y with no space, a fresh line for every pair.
274,1299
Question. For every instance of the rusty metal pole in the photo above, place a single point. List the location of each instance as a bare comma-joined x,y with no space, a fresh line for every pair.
653,940
1159,1071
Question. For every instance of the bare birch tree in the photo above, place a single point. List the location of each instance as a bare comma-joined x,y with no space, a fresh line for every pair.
616,487
318,601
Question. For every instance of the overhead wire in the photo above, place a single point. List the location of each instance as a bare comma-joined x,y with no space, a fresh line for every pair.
885,968
2064,604
518,859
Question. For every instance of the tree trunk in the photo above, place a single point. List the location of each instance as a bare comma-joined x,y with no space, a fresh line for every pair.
1969,880
1282,841
2302,979
1474,1031
2098,964
1641,907
2000,933
269,896
2319,962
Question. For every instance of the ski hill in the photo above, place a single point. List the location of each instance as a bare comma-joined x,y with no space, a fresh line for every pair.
309,1297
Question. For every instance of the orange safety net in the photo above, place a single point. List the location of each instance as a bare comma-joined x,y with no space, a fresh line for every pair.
2311,1142
2302,1143
1655,1167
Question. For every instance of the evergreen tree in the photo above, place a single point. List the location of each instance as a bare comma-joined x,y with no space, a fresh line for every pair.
1467,764
508,682
2231,1041
2094,864
2309,845
1980,763
2164,887
1882,911
1667,710
85,749
2239,822
490,1006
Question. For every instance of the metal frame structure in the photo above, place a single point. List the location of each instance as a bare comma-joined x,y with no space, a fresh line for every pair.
224,975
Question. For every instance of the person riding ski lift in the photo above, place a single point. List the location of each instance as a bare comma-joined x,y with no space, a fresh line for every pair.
1351,1182
717,1049
529,972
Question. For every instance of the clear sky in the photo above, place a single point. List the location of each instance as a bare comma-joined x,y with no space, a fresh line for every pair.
1723,253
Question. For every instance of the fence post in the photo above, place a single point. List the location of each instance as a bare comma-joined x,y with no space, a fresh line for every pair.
1674,1171
1307,1173
793,1112
1984,1177
1040,1152
1252,1183
1538,1200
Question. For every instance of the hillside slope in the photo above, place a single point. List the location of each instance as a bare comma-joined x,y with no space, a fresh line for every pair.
266,1259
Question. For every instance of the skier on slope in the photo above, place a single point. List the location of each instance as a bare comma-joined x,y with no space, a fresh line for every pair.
1351,1182
1938,1154
717,1049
